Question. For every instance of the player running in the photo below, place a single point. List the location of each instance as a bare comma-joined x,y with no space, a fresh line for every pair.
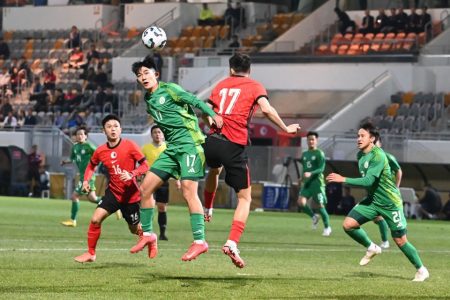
397,173
119,156
313,161
80,155
171,108
235,99
383,199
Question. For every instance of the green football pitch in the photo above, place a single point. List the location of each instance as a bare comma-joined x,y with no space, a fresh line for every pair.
285,259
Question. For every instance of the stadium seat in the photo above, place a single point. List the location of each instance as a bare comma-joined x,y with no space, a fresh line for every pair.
397,126
408,97
392,109
414,111
403,110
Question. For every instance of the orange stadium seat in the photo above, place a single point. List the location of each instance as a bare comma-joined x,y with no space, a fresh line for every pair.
408,97
392,109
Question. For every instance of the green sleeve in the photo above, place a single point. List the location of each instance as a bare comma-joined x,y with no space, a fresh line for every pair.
321,167
92,148
393,162
374,170
181,95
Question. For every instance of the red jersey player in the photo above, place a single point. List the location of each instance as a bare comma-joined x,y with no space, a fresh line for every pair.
119,157
235,99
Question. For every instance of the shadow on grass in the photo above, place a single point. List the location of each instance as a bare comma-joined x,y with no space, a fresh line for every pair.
365,275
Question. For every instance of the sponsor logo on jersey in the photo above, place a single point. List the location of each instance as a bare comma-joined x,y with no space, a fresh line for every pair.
191,170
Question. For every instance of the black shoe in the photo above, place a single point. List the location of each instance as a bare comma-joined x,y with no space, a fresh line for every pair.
163,238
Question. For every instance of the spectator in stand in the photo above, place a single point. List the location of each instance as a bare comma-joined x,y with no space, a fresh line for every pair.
234,42
430,204
381,21
92,56
100,99
414,21
425,19
240,16
391,25
367,23
76,59
112,98
20,117
57,100
445,213
59,119
10,121
49,79
18,79
30,119
6,108
74,38
72,100
206,16
75,120
37,87
35,161
89,77
5,79
402,20
228,16
344,21
101,78
90,119
4,49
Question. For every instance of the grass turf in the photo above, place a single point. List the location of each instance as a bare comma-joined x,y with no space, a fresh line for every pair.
285,259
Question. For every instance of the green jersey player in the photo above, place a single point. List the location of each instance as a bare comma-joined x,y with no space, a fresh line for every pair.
80,156
383,199
313,187
396,172
171,108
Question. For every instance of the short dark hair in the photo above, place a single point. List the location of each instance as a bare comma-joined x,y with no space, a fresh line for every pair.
312,133
109,118
154,127
148,62
82,127
240,62
373,131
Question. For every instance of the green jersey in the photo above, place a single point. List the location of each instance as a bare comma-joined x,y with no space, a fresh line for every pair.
171,108
81,155
313,161
377,179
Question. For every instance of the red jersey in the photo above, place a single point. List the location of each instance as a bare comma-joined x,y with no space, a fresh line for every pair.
123,156
235,99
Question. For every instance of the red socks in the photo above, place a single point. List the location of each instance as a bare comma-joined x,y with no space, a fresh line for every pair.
209,199
237,228
94,232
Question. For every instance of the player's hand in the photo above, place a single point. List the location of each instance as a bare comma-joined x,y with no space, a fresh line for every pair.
307,174
86,186
125,176
293,128
218,121
333,177
178,184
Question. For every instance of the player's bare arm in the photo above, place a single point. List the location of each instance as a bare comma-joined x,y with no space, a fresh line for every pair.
273,116
333,177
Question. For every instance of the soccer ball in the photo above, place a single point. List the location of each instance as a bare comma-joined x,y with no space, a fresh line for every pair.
154,37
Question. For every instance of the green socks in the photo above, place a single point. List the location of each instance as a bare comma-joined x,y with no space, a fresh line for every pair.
74,210
306,209
147,219
360,236
411,253
382,225
325,217
197,226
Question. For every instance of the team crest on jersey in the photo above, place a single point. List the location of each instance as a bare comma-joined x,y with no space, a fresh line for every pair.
313,158
366,164
83,151
113,155
162,100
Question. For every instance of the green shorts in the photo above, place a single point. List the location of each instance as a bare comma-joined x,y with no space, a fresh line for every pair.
79,187
366,211
316,193
187,162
